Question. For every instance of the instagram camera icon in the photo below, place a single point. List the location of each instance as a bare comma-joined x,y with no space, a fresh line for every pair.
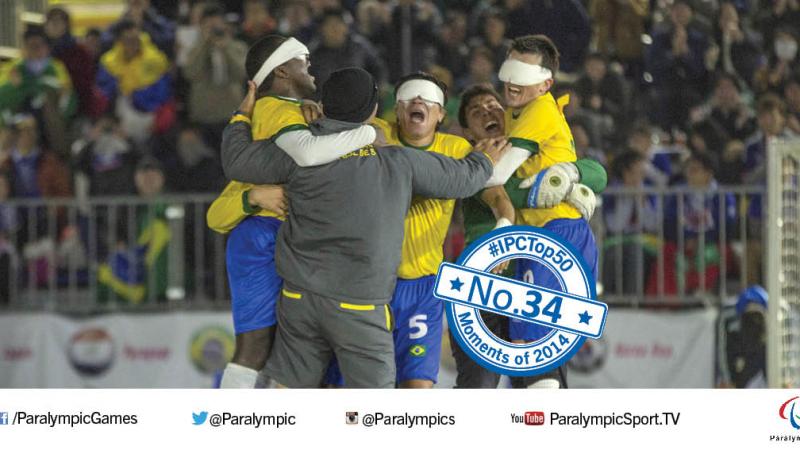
534,418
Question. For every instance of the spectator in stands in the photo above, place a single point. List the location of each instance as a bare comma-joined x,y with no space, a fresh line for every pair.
451,46
135,84
338,46
481,70
92,42
792,94
107,158
676,63
708,138
40,84
257,21
190,162
702,212
658,162
737,50
599,126
603,91
134,266
584,147
782,61
35,172
631,222
79,63
410,37
618,29
772,119
296,20
728,110
774,15
215,71
566,22
160,30
372,16
493,35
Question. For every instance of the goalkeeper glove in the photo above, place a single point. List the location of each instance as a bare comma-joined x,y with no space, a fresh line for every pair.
551,186
583,199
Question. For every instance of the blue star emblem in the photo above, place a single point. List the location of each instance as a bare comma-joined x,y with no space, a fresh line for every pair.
585,317
455,285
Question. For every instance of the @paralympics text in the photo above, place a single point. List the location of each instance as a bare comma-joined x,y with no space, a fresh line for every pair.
251,420
91,418
407,420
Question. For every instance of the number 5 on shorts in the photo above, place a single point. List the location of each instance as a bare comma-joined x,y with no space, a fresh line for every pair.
418,322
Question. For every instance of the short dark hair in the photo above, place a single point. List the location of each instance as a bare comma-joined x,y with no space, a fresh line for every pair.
470,93
60,13
259,53
335,13
538,44
770,102
34,31
124,25
422,76
624,161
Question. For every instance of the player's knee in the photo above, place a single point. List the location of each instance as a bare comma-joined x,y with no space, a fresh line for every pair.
416,384
253,348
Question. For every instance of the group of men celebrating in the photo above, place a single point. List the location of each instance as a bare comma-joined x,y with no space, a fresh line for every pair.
334,286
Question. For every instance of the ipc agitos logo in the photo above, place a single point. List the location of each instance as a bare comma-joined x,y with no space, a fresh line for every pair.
787,411
572,313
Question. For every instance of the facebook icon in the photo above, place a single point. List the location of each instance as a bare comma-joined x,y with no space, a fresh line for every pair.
3,418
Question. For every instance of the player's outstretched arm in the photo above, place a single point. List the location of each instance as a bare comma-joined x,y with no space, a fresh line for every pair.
438,176
248,161
507,165
305,148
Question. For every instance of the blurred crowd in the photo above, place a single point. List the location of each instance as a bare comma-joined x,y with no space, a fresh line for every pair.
662,92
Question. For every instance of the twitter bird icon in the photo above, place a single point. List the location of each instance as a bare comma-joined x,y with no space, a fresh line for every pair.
200,418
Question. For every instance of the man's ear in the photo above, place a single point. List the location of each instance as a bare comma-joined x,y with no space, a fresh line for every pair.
281,71
546,85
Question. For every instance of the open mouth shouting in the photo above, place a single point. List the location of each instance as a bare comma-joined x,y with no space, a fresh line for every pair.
417,113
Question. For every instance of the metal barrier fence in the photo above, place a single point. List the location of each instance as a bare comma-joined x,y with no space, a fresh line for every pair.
657,247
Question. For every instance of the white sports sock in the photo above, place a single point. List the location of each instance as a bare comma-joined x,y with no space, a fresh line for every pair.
546,383
238,377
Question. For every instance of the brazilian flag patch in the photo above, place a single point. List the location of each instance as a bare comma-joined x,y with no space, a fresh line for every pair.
418,350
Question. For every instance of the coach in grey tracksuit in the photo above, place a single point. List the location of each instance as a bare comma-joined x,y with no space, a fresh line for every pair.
339,249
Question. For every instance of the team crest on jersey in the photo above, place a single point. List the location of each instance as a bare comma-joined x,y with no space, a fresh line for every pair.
572,313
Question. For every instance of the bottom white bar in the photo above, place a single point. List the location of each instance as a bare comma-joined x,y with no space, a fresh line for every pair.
491,419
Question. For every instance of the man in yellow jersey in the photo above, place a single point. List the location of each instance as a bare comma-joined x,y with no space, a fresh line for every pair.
420,100
482,116
542,148
279,68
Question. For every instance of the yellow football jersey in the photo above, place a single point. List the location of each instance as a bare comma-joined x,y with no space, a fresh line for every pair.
542,128
272,116
427,220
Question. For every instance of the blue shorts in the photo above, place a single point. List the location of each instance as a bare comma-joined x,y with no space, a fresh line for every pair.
255,284
578,233
418,329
